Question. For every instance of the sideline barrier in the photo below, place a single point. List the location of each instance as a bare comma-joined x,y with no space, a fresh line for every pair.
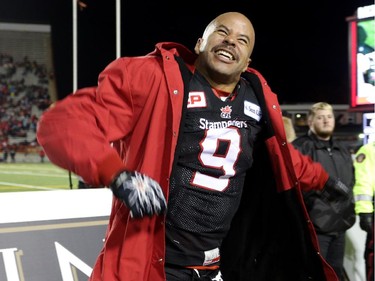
52,235
57,235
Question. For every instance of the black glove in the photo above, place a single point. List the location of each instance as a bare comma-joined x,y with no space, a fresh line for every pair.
366,221
334,189
141,194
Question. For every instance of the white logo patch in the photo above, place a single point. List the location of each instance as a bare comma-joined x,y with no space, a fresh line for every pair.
196,99
252,110
211,256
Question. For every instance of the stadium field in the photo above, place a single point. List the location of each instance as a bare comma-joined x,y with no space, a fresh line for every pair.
34,177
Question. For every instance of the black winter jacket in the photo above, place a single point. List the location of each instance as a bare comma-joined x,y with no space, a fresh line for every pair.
329,217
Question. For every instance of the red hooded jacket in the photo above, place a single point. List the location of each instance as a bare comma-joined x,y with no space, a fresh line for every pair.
131,121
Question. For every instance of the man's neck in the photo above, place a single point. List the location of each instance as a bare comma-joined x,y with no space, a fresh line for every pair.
223,83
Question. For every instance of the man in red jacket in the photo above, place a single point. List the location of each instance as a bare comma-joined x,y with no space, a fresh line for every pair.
193,147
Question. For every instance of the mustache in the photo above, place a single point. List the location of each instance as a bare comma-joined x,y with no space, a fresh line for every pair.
226,47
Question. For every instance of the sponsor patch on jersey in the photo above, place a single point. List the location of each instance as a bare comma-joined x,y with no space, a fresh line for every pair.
196,99
211,256
252,110
226,112
360,157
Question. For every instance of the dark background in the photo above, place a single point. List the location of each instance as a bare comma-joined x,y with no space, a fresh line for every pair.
301,46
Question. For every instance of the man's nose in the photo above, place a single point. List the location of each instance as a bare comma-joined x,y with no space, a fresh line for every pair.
230,39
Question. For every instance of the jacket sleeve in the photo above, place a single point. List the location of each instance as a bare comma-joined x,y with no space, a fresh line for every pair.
77,132
364,187
310,175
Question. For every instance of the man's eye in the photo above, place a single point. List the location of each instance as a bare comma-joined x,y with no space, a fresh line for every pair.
243,41
222,32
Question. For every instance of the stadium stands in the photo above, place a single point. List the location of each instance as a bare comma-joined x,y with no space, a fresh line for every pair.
24,95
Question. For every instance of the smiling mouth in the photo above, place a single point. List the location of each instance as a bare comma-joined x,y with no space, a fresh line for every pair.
225,54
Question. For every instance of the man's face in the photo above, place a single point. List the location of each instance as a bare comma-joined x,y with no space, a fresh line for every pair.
323,123
225,47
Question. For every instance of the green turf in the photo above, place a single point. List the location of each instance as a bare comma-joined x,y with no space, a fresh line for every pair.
34,176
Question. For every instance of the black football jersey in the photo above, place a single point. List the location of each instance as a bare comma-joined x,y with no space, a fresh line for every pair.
214,152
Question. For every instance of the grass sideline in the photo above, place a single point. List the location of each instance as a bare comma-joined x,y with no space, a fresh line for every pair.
34,177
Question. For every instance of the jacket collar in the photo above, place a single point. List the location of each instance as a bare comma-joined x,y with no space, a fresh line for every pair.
320,143
175,49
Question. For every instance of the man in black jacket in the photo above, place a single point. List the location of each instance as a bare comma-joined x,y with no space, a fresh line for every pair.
330,216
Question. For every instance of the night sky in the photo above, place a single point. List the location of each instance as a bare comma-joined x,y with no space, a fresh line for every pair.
301,47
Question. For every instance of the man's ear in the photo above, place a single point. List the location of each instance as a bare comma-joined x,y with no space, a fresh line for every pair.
248,63
197,47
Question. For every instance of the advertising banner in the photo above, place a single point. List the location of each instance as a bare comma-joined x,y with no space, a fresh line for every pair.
52,235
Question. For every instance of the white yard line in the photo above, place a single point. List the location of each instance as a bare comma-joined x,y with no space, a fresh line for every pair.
25,186
32,174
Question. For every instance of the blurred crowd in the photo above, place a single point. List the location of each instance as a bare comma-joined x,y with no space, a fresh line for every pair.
24,95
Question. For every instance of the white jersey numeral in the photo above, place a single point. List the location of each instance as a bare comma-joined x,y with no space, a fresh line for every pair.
210,158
